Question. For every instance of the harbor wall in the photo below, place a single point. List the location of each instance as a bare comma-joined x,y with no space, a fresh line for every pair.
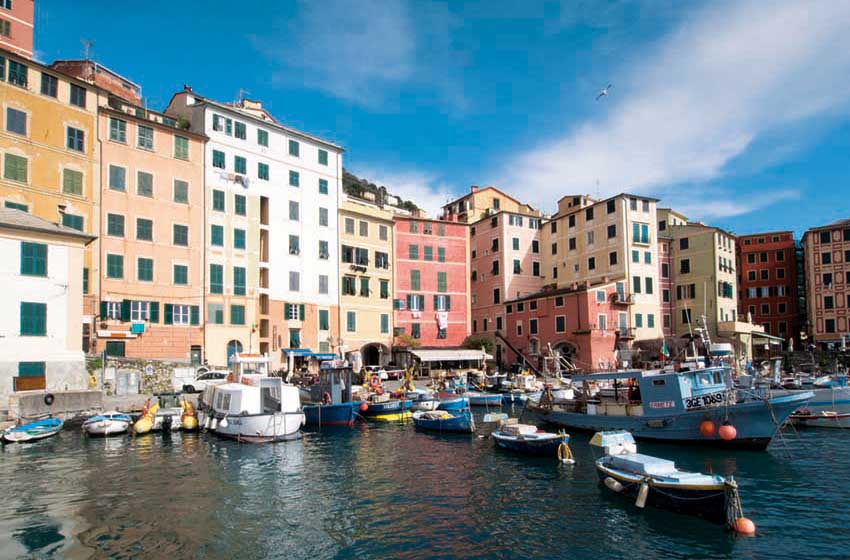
30,405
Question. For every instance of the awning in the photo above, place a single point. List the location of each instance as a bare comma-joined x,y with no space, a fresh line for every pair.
775,340
449,355
307,353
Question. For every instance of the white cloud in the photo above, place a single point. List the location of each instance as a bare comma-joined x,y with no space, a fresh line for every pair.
426,190
725,205
730,74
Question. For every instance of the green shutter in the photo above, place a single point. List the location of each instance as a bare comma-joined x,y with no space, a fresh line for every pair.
125,310
301,314
169,314
33,259
33,319
103,310
285,311
153,317
421,303
448,303
195,314
441,282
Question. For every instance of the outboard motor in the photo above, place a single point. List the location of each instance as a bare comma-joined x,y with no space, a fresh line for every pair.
166,423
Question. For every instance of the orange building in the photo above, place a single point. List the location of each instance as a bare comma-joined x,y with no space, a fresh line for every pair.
16,26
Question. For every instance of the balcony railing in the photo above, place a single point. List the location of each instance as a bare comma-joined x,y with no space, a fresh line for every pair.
622,299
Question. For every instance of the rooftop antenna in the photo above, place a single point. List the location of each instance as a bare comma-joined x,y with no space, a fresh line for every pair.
88,45
240,96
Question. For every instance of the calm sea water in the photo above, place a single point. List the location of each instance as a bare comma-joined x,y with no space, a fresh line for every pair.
390,492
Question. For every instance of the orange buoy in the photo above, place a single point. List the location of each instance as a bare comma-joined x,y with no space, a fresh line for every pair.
707,428
744,526
364,407
727,431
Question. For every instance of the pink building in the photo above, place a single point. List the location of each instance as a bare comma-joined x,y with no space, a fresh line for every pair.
431,298
578,322
506,264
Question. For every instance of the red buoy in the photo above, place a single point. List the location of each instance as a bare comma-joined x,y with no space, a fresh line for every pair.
364,407
744,526
727,431
707,428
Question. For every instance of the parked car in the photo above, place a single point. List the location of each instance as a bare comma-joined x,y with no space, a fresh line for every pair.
212,377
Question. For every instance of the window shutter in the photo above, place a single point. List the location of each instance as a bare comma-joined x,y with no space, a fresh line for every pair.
169,314
448,303
286,311
436,300
195,314
421,303
301,312
153,316
103,311
409,301
125,310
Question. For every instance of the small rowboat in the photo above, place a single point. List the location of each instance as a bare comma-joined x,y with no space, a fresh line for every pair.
821,419
528,440
478,398
443,421
107,424
387,411
449,401
33,431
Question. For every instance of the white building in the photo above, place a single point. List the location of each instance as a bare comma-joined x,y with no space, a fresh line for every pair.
41,309
272,198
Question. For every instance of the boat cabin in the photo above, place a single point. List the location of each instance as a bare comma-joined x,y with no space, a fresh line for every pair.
335,382
653,393
251,391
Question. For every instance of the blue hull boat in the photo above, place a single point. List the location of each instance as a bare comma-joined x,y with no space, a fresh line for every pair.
453,403
33,431
443,421
387,411
540,444
484,399
695,406
343,414
514,398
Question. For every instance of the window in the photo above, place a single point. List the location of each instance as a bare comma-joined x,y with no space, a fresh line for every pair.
765,274
294,179
763,257
385,289
180,275
17,74
114,266
239,205
78,96
16,121
611,206
222,124
33,259
72,182
144,269
600,296
780,256
144,137
115,225
323,250
685,266
181,314
240,165
413,252
216,279
588,214
294,210
240,130
828,302
442,283
636,284
75,139
665,296
349,286
218,159
640,233
144,229
612,258
263,171
216,235
15,168
323,186
49,84
494,245
415,277
294,245
428,253
560,324
262,137
144,184
72,221
238,238
239,280
294,281
827,279
648,284
33,319
181,147
415,330
323,283
826,258
237,314
180,235
323,157
591,263
496,296
364,286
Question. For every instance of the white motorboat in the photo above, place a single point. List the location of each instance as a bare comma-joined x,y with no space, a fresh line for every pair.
109,423
253,407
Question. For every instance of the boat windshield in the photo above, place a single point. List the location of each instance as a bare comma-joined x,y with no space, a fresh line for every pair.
271,399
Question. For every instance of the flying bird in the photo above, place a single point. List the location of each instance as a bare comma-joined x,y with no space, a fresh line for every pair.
604,92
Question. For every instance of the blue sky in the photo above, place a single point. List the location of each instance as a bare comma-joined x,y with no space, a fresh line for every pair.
734,112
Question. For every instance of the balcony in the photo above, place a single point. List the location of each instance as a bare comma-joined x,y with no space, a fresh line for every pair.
264,304
264,278
622,299
264,210
626,333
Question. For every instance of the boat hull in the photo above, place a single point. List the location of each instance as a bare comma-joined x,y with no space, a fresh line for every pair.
492,399
707,502
752,421
106,426
460,422
829,408
453,403
33,431
343,414
389,411
537,446
262,428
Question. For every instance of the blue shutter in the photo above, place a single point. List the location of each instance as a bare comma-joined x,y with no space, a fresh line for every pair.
153,316
125,310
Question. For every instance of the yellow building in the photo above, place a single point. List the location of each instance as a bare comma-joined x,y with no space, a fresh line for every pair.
481,202
48,146
366,279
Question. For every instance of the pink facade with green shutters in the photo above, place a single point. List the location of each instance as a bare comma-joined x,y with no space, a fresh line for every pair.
431,297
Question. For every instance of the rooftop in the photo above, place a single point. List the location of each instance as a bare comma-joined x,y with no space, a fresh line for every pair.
18,219
574,289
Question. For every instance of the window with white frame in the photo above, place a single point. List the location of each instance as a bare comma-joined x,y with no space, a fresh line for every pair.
180,314
139,310
602,322
113,309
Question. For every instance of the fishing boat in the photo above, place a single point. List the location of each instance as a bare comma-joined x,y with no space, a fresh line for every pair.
657,482
691,405
444,421
514,397
383,408
526,439
451,401
33,431
111,423
253,407
422,401
330,399
481,398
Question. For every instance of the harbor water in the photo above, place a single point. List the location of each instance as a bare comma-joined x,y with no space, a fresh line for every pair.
387,491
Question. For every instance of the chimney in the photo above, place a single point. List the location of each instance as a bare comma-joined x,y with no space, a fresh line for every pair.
474,188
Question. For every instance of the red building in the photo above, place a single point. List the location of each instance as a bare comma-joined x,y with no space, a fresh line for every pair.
16,26
767,282
580,323
431,299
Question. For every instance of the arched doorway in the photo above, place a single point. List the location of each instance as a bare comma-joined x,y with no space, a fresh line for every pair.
233,347
374,354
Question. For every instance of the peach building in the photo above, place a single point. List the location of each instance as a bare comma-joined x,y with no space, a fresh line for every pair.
16,26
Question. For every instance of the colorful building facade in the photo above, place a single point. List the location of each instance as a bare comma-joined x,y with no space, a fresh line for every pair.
16,26
827,269
483,202
431,278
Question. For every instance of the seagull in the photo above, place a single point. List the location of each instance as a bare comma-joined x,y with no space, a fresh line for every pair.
604,92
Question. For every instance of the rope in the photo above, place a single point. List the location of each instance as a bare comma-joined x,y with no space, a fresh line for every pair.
734,510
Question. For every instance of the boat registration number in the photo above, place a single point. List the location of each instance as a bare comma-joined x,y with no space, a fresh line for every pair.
662,404
710,399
